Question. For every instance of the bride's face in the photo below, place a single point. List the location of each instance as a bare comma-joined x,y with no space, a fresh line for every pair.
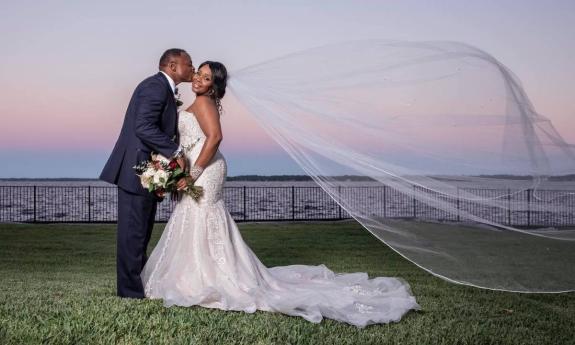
202,81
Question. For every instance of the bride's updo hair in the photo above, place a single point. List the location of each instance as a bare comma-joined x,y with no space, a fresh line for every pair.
220,80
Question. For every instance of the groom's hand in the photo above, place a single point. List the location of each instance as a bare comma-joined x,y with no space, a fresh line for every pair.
182,163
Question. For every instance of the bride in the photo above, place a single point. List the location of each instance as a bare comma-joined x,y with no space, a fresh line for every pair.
201,258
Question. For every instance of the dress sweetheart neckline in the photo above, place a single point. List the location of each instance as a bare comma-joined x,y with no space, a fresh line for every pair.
190,113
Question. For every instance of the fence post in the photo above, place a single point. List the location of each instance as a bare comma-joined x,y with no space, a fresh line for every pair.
89,203
245,210
414,210
339,196
292,202
528,207
384,201
34,204
509,206
458,206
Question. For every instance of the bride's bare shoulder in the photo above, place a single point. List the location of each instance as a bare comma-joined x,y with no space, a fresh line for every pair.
203,105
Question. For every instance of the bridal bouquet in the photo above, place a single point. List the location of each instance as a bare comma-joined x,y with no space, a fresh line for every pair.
160,176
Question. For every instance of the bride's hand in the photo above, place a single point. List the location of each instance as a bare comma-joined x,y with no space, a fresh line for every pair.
183,183
182,163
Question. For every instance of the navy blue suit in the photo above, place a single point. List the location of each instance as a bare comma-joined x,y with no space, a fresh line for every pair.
150,125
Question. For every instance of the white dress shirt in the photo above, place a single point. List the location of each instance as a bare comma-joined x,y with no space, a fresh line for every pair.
172,83
179,151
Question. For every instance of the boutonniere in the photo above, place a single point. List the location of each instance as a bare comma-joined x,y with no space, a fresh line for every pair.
177,98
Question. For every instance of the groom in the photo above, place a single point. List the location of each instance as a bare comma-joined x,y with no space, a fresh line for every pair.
150,125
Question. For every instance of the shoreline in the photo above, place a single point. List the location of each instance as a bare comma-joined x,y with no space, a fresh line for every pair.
287,178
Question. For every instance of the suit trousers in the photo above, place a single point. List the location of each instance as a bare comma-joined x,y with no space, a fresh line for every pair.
136,215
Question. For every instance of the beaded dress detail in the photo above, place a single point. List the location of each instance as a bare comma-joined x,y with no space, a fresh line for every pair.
201,259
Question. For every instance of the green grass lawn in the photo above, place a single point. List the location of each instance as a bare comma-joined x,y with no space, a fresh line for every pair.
57,286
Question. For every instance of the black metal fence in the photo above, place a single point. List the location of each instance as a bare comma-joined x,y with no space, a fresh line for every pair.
95,204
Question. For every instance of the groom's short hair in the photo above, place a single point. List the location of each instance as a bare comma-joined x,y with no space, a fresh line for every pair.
169,54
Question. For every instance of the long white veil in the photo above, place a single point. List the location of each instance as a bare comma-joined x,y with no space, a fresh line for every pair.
456,165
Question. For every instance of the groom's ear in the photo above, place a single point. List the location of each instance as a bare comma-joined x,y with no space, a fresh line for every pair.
172,65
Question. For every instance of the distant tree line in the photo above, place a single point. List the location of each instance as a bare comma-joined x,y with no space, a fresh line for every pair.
295,178
570,177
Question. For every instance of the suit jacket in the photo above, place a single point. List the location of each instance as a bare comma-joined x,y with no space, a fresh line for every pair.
150,125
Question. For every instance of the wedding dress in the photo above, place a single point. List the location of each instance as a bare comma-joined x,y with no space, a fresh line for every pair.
201,259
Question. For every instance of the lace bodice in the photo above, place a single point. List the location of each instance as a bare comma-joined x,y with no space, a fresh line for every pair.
192,138
191,134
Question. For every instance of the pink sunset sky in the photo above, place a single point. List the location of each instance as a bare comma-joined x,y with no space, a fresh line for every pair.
68,68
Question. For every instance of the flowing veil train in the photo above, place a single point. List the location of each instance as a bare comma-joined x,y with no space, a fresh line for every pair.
442,126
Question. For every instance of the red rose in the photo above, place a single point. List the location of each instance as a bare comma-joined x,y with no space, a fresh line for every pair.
173,165
161,192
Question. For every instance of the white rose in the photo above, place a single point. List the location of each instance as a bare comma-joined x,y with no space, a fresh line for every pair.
145,180
160,178
149,173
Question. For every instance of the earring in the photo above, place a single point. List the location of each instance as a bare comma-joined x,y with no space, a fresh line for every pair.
212,92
